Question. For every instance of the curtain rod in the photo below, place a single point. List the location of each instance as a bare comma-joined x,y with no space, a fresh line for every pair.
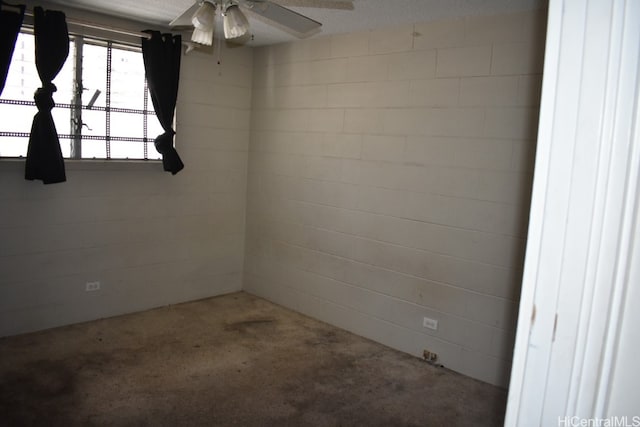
95,26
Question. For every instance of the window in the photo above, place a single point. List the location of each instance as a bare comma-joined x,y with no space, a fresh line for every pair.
103,109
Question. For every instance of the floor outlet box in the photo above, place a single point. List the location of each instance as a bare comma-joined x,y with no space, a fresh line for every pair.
430,356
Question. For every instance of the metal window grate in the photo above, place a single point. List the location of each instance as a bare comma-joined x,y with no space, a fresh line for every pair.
145,118
137,129
84,107
71,136
107,125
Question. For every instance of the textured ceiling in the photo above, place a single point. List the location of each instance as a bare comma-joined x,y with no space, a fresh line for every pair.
366,14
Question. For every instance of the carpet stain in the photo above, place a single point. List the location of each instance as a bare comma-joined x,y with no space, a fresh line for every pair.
246,325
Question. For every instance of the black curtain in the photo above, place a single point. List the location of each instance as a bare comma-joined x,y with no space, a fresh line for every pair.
44,157
10,22
161,54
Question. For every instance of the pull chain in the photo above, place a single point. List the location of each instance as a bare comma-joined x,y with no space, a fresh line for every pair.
219,48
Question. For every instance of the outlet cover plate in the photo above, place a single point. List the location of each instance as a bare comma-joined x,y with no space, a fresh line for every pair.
92,286
430,323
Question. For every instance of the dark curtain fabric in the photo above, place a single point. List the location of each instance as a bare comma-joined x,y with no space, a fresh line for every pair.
161,54
10,22
44,157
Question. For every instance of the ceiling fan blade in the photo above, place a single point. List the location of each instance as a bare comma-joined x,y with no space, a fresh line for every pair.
184,20
318,4
238,41
284,17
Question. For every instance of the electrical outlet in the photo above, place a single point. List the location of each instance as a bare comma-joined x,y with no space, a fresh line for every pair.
92,286
430,323
429,356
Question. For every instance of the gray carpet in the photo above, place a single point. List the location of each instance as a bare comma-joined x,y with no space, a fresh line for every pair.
230,360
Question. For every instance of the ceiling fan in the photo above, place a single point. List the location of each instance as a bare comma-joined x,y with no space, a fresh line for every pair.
202,17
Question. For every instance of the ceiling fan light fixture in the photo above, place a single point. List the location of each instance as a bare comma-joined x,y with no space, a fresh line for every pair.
204,37
235,23
204,17
203,21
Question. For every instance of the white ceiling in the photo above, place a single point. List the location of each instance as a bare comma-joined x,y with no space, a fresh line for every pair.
366,15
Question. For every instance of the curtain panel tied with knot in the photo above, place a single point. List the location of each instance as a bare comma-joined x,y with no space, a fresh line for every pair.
161,54
44,157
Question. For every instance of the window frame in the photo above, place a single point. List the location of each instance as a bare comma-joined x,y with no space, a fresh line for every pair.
76,107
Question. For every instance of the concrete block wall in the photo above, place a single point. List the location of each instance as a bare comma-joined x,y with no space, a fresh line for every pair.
384,177
150,238
389,180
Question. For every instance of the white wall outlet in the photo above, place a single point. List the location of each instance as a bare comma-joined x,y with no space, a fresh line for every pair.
430,323
92,286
